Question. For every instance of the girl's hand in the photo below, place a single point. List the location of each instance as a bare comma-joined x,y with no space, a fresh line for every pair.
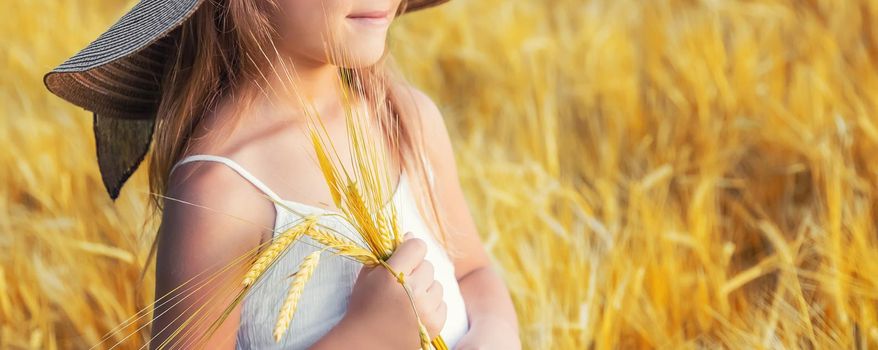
379,312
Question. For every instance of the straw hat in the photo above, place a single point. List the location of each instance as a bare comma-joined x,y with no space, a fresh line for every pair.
116,78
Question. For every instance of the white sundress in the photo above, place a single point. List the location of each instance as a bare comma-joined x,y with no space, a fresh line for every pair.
325,297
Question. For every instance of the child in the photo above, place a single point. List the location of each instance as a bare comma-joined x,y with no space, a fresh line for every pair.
216,83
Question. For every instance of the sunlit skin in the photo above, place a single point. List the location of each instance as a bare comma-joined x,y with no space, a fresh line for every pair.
360,29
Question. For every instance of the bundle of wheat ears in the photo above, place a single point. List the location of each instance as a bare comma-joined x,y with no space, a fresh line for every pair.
359,194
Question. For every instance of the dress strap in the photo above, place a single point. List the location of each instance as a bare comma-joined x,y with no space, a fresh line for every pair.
235,166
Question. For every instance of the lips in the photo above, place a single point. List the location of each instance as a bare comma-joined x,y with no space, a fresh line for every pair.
371,17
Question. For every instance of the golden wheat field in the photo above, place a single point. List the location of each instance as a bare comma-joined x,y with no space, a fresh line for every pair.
645,174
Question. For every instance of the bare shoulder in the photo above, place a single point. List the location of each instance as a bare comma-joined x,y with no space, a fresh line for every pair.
417,104
420,107
204,197
211,216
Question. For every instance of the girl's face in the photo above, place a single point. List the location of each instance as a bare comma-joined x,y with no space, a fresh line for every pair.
356,30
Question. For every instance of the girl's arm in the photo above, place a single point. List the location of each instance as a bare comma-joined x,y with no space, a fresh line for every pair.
493,322
194,244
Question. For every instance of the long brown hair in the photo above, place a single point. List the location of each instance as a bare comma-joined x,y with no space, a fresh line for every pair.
224,43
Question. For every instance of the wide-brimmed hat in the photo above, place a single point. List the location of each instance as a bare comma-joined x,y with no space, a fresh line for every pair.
116,77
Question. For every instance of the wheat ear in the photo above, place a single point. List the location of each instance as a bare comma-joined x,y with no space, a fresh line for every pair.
384,231
359,211
343,246
306,269
329,172
279,245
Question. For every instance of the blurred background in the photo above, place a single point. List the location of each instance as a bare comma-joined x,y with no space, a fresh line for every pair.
645,174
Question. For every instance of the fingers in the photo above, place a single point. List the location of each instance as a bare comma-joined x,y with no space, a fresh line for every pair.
421,277
408,255
436,292
436,320
431,299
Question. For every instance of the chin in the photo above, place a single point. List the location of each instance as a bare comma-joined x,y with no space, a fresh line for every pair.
362,55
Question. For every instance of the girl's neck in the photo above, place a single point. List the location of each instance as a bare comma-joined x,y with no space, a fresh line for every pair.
286,91
269,100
